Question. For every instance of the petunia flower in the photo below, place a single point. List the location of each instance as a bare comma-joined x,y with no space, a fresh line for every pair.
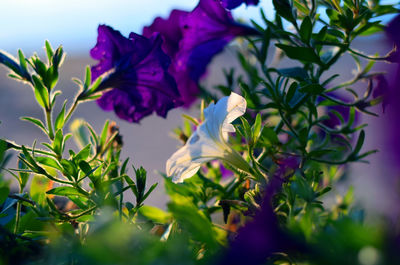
209,141
263,236
381,90
231,4
192,39
137,75
171,32
206,31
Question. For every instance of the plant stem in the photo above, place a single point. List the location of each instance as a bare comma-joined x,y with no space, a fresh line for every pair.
49,124
71,110
18,212
17,217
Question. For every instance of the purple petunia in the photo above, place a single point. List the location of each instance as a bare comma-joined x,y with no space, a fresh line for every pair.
137,75
192,39
231,4
381,90
206,31
261,237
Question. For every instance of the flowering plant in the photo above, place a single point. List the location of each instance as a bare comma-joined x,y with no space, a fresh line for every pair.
285,124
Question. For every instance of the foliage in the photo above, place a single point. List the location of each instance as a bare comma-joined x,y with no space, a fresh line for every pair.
301,127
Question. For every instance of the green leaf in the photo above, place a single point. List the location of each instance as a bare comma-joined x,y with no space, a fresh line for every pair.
60,118
285,10
291,91
49,50
22,61
246,128
360,143
41,93
57,144
297,73
268,135
192,220
314,89
3,149
69,168
103,136
4,191
48,161
304,54
38,187
257,128
87,169
37,122
149,191
88,77
64,191
306,30
155,214
84,153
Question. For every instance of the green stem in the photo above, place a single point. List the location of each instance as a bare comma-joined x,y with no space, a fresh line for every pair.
71,110
17,217
367,56
18,212
42,152
49,124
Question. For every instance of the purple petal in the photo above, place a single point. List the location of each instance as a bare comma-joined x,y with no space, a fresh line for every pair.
231,4
169,29
263,236
206,30
139,79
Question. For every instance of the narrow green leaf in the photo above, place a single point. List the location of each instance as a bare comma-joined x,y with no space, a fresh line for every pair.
304,54
48,161
103,136
37,122
60,118
41,93
314,89
88,77
64,191
306,30
84,153
22,61
149,191
49,50
257,128
155,214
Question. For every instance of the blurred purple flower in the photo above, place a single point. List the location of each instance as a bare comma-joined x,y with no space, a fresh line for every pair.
169,29
334,121
381,90
206,31
192,39
263,236
231,4
393,127
138,75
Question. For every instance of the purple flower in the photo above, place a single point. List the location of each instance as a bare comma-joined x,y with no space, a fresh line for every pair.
169,29
381,90
138,75
263,236
333,121
231,4
206,31
192,39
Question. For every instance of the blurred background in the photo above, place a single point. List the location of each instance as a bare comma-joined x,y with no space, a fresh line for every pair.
25,24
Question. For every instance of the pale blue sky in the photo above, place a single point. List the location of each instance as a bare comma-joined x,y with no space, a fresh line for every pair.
27,23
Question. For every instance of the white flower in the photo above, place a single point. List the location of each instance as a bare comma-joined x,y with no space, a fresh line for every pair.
209,141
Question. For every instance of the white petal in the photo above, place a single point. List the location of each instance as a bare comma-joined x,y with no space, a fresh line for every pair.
209,140
185,162
219,116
